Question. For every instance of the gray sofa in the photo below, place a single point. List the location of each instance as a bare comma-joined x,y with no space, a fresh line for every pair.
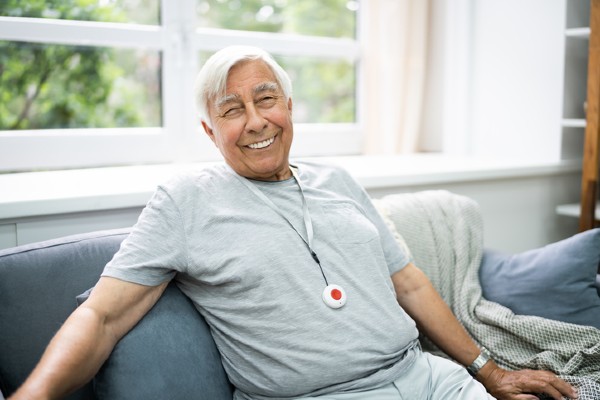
169,351
171,354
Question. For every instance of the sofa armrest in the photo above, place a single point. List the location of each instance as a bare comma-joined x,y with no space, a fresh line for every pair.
38,285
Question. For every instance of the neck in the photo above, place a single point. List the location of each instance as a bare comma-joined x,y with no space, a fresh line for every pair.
283,175
286,174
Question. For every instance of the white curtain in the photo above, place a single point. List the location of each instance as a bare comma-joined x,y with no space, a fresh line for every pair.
395,72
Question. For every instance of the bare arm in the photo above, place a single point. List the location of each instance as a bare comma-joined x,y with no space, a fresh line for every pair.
420,300
87,338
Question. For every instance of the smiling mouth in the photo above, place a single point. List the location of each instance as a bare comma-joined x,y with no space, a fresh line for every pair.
261,145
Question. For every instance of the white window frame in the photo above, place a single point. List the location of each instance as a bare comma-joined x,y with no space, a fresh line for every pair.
180,139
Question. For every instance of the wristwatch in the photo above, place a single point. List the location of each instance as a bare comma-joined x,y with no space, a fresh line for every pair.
479,362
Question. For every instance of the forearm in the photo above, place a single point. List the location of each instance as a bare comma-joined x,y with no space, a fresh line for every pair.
435,319
71,359
88,336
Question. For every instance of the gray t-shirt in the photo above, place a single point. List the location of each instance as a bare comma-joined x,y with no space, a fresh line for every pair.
252,277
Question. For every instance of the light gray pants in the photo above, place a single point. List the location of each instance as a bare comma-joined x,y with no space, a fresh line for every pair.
429,378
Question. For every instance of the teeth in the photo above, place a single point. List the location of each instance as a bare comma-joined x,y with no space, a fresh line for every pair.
262,144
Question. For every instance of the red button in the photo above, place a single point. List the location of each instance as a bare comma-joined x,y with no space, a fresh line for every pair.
336,294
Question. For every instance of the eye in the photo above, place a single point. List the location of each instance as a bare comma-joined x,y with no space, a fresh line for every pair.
232,112
267,100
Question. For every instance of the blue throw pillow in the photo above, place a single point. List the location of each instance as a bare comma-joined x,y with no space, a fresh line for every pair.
169,354
557,281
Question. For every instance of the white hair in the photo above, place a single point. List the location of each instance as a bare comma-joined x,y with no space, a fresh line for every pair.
211,81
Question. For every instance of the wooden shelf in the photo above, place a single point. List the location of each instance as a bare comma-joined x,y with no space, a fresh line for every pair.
591,148
583,33
573,123
574,210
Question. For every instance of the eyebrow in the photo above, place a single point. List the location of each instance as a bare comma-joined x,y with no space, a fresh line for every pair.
266,87
258,89
230,98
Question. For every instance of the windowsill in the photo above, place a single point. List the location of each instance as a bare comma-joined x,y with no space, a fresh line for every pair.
59,192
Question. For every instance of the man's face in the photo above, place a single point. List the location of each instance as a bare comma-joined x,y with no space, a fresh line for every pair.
252,123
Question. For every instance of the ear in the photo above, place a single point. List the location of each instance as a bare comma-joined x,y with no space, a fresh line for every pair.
290,104
208,131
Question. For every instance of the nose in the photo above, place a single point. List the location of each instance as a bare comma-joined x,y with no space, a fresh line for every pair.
255,122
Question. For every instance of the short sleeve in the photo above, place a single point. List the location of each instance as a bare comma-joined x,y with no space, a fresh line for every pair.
156,248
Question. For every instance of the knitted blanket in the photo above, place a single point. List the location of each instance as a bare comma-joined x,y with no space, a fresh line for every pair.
444,233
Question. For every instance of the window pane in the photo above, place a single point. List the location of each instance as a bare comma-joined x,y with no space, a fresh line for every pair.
128,11
324,91
55,86
332,18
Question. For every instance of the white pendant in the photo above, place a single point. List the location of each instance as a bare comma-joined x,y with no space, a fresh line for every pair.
334,296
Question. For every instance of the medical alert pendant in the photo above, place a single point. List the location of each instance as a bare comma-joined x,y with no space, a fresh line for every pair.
334,296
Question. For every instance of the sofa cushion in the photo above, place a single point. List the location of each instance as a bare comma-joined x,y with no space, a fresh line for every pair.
169,354
38,285
557,281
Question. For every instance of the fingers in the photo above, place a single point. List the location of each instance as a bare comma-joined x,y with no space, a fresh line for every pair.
522,385
547,383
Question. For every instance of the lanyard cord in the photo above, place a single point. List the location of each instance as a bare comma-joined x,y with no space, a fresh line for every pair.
305,214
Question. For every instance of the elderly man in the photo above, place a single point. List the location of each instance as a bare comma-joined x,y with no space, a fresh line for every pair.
306,291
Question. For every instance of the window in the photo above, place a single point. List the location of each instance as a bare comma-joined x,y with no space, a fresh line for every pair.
110,82
54,86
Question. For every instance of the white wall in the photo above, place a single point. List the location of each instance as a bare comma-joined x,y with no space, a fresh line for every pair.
517,65
495,81
519,213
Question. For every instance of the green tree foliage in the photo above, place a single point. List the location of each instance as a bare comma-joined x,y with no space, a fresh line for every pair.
324,91
247,15
332,18
58,86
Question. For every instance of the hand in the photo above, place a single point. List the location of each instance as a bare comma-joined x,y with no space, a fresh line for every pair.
522,385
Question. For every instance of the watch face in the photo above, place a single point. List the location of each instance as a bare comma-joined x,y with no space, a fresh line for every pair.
334,296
